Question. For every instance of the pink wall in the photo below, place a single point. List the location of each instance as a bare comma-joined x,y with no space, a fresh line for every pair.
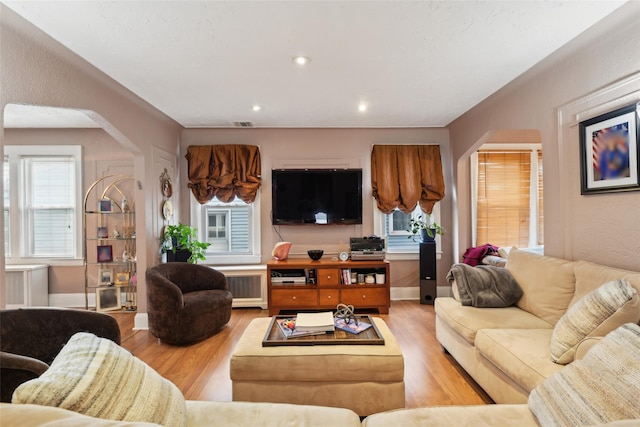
36,70
101,154
325,148
600,228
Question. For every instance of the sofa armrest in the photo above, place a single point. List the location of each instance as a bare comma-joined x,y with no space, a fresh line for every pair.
23,363
585,345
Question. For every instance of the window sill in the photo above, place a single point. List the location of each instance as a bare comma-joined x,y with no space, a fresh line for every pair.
75,262
214,260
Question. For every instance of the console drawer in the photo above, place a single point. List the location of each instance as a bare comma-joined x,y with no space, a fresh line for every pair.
293,297
328,276
329,297
364,297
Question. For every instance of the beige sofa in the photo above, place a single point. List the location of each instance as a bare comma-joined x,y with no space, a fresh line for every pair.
507,350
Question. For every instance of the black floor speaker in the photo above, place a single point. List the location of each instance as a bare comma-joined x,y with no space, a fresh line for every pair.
428,282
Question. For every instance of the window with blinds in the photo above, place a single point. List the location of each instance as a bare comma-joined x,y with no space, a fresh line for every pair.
504,190
540,201
394,228
7,236
50,205
231,230
44,183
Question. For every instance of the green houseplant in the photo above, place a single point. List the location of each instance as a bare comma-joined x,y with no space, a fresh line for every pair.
180,239
424,226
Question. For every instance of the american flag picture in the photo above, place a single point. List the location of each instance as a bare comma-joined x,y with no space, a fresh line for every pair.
609,151
618,135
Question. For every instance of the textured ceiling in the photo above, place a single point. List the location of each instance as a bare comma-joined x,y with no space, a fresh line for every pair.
419,63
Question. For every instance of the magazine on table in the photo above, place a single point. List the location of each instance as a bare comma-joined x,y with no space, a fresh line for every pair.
351,326
288,329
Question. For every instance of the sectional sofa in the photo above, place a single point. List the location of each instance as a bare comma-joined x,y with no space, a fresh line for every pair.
507,350
579,314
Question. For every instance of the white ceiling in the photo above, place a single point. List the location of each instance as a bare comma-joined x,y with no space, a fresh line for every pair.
414,63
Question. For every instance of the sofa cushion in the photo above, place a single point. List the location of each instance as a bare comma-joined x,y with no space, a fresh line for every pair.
601,388
589,276
521,354
596,314
447,416
548,283
212,414
96,377
467,321
47,416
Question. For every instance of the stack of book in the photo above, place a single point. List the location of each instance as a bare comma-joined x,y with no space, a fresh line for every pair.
315,322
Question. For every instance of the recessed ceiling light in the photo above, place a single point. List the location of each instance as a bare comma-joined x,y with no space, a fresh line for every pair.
301,60
362,107
256,108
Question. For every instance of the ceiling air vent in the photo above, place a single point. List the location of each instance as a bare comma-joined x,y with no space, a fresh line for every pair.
243,124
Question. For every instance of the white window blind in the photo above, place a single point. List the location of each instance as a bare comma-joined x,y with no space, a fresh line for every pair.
540,201
50,205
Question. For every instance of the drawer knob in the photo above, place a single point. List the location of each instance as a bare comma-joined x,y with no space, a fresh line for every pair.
364,296
329,297
329,277
293,297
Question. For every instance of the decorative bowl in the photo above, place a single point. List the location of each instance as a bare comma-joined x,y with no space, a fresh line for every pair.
315,254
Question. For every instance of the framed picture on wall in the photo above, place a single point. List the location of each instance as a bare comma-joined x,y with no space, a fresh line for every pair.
609,155
108,299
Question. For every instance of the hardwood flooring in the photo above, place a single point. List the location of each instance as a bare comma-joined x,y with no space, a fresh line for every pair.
201,371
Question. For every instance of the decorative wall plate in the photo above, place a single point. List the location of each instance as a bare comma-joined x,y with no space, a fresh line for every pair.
165,184
167,210
344,256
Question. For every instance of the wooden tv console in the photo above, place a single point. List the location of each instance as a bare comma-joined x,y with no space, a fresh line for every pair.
328,290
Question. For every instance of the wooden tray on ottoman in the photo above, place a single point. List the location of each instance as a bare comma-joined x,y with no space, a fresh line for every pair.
371,336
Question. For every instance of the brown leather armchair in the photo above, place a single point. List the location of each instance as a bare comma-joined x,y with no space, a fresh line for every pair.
30,338
186,302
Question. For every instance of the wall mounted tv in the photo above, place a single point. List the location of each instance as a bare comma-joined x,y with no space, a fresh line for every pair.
316,196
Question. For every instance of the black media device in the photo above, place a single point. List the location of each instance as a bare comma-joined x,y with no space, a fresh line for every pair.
316,196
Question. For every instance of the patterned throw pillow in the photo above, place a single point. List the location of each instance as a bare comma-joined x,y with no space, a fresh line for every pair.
596,314
96,377
601,388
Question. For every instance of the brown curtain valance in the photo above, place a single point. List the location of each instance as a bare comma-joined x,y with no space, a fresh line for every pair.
224,171
404,175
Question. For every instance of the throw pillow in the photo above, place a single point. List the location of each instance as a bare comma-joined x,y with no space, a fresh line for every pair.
548,283
596,314
96,377
601,388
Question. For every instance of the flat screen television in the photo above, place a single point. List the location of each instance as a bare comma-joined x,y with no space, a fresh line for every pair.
316,196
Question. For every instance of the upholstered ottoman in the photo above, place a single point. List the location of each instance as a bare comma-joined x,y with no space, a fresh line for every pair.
364,378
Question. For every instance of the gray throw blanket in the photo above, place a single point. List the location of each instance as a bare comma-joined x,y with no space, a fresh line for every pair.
485,286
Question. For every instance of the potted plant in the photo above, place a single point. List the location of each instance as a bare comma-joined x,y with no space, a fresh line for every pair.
180,243
424,226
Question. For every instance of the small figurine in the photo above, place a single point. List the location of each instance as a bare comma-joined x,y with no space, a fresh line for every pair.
125,255
115,233
125,205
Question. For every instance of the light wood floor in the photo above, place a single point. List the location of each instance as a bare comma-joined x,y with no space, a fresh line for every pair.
201,371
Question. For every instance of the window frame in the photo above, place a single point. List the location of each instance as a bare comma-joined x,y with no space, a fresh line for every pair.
229,258
533,187
379,228
18,215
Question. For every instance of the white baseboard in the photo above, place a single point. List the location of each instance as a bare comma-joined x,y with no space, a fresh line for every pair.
412,293
71,300
141,322
405,293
